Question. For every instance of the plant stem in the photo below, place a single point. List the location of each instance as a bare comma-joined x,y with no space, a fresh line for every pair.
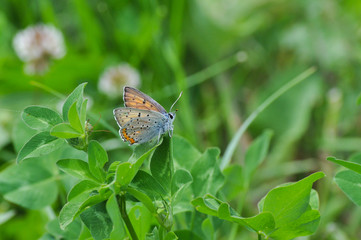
47,89
235,140
202,76
235,226
123,212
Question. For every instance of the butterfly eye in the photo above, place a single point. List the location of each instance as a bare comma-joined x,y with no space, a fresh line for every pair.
171,116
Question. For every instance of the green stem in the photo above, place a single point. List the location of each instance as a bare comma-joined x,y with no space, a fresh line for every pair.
192,220
123,212
202,75
47,89
235,226
236,138
233,232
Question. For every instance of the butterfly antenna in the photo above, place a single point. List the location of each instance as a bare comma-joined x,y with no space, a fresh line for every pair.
96,124
176,101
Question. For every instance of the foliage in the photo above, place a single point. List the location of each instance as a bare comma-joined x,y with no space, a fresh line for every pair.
109,200
349,180
64,172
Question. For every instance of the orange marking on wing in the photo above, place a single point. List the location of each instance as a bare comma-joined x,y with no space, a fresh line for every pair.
127,138
124,131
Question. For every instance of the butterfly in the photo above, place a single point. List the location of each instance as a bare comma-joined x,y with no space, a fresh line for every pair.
142,119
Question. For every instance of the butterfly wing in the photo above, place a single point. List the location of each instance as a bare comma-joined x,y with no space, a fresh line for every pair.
125,114
133,98
141,130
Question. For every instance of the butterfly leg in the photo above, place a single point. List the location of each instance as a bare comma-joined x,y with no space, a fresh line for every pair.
170,132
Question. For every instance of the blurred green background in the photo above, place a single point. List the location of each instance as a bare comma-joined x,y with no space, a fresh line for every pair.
227,56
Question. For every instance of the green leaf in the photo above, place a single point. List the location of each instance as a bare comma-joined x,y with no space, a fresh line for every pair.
161,165
184,153
70,210
74,119
65,130
255,154
179,180
29,184
234,181
181,191
210,205
119,231
124,174
208,229
350,165
97,221
76,168
40,144
72,231
82,186
314,200
305,225
40,118
186,235
97,157
207,177
79,203
47,236
154,235
142,152
95,198
83,113
148,184
20,134
141,219
75,96
144,198
288,203
170,236
356,158
350,183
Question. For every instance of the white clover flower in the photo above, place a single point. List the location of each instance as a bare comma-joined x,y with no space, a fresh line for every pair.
37,45
113,80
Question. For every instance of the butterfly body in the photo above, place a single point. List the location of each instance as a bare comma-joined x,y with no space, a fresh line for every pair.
142,118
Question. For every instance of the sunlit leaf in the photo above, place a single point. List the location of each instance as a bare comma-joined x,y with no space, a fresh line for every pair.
75,96
73,118
65,130
40,144
77,168
350,183
97,157
30,184
97,221
161,165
